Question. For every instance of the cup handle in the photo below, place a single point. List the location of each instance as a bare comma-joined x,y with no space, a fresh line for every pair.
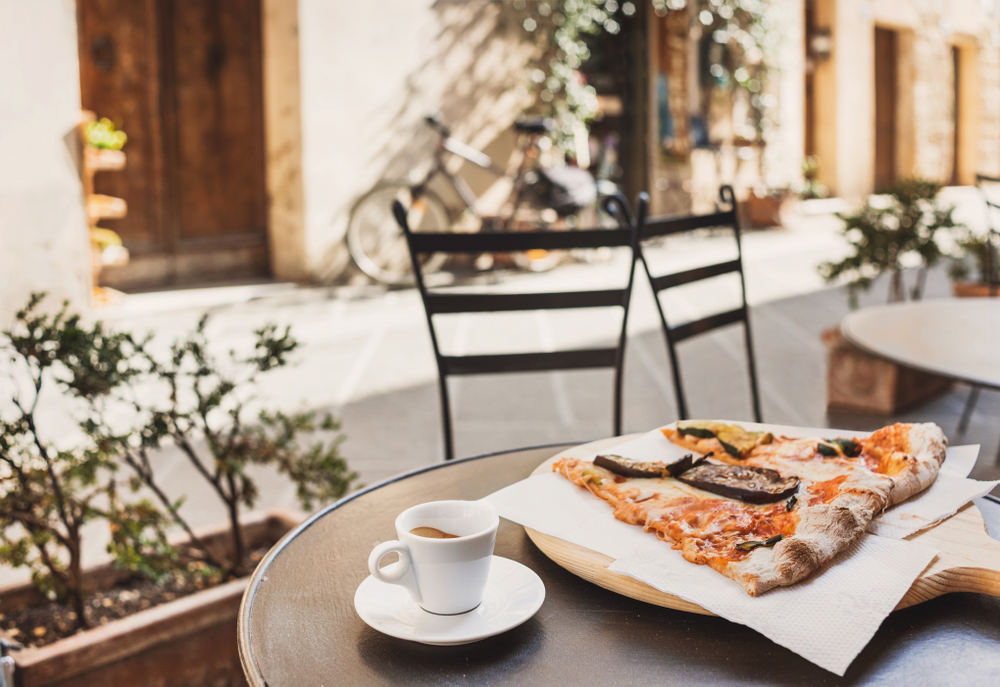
401,574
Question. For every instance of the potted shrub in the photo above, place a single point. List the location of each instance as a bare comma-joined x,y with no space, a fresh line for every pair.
763,207
885,233
810,188
979,258
47,494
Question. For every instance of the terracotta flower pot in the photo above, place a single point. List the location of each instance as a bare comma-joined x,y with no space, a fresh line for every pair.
858,381
970,289
182,643
762,210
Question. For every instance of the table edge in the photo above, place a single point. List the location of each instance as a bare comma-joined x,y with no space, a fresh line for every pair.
854,341
243,637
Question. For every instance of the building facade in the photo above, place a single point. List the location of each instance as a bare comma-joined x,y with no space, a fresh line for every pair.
876,90
899,88
251,140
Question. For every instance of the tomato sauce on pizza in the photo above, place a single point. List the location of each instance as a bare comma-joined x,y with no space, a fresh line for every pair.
763,510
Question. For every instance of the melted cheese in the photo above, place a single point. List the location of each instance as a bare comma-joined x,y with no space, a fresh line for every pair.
886,450
706,527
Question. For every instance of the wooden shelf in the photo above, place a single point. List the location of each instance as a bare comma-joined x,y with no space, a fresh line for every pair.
102,160
105,207
101,207
110,256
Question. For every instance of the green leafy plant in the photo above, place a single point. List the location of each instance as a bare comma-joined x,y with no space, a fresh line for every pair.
885,234
739,42
203,412
103,134
49,493
978,257
128,402
810,188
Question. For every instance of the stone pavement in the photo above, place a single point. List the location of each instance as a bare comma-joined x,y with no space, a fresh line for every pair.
366,356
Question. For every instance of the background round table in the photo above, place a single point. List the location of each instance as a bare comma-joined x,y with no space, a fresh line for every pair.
954,337
298,626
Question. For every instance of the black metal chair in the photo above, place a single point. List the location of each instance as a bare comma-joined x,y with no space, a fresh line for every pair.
440,302
651,228
991,280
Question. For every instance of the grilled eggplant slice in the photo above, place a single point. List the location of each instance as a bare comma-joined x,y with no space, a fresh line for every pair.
738,442
627,467
698,428
751,545
735,440
832,448
742,482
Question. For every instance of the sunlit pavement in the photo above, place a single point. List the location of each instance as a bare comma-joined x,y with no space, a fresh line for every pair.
366,356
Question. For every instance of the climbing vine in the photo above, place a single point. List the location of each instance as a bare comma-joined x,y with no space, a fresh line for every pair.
737,47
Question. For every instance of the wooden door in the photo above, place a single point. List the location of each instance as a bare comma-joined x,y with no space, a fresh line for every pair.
886,76
183,79
118,77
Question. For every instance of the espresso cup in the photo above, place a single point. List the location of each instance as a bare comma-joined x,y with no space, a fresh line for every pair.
444,576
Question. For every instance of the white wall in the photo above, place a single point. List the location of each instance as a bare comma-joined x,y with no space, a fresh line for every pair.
370,71
44,243
784,151
854,54
932,26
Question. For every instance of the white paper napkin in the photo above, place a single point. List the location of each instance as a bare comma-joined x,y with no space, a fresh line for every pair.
950,491
827,618
960,460
849,613
553,505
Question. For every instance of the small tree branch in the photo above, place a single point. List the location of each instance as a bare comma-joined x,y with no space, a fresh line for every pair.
185,446
53,478
147,477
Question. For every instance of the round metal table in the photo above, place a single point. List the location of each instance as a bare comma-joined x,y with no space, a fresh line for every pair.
953,337
298,626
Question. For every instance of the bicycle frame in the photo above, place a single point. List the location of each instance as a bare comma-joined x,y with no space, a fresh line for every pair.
447,144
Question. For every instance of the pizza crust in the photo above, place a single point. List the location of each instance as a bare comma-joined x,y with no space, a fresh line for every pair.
824,530
908,458
928,447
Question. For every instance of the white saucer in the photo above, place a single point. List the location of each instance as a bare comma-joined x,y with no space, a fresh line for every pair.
513,594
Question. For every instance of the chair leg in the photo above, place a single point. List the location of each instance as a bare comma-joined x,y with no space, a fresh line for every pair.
449,450
617,420
970,406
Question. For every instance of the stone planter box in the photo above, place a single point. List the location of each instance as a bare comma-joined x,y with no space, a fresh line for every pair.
190,642
763,210
859,382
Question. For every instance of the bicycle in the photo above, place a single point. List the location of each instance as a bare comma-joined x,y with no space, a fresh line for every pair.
377,245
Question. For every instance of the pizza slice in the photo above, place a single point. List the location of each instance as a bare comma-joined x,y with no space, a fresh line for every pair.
761,509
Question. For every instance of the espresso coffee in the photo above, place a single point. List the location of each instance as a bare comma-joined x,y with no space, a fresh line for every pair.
432,533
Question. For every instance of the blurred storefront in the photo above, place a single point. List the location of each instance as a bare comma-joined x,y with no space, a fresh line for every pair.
899,88
873,90
254,124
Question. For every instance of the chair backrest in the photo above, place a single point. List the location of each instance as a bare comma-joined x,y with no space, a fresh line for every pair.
651,228
992,251
438,302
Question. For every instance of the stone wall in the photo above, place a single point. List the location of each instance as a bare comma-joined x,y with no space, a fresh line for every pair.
370,71
933,86
928,30
989,111
44,245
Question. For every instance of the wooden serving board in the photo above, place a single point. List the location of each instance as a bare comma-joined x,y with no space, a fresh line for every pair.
969,559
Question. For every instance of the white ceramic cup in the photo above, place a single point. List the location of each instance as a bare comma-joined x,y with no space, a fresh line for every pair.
444,576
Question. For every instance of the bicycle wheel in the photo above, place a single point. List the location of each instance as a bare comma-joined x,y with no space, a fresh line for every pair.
377,243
